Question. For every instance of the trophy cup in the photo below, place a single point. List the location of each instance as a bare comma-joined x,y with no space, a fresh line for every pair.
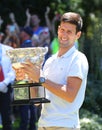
26,92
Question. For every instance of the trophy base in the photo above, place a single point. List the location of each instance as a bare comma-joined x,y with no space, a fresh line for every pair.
30,101
29,94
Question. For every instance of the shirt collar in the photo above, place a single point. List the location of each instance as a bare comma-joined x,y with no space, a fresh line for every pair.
68,53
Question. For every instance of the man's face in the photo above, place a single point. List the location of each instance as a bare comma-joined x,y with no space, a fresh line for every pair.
35,20
67,34
24,36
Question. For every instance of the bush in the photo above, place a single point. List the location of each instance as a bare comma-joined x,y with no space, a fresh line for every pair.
93,97
90,121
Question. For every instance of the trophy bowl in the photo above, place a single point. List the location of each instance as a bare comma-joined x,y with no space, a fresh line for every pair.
34,54
20,55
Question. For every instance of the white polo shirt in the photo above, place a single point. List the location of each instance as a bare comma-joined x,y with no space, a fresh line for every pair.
57,69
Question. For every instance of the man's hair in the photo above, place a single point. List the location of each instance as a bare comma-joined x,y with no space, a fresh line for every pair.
73,18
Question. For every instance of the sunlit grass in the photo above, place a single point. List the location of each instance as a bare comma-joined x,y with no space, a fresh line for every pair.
0,126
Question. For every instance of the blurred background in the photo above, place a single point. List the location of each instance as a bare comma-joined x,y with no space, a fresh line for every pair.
90,43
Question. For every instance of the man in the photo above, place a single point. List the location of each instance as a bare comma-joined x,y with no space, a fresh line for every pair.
64,77
25,37
33,21
7,77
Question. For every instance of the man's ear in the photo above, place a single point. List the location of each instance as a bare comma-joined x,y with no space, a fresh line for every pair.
78,35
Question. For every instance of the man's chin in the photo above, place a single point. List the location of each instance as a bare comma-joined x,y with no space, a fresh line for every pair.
63,45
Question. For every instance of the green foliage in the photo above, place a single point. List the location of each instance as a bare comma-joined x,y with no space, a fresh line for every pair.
77,6
90,121
58,7
93,97
96,49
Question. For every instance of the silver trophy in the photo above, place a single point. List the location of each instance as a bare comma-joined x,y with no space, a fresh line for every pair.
26,92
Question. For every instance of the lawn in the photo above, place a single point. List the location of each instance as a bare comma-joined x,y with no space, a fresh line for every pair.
15,124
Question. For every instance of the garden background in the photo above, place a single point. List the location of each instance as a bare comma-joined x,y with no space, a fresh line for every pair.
90,43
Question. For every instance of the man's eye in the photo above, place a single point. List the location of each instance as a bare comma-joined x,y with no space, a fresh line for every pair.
62,30
69,32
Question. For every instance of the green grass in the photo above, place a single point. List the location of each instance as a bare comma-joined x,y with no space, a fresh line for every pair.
15,125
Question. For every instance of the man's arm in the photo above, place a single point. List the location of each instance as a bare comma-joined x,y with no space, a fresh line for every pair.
67,92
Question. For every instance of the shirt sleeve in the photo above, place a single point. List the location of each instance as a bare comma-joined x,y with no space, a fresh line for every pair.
79,68
9,74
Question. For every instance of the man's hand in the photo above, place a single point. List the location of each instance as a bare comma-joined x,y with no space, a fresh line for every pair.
32,71
28,14
47,10
18,68
12,17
